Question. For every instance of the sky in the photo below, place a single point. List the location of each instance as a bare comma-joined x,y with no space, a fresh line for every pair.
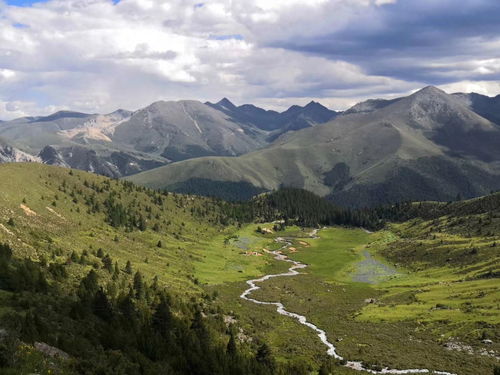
101,55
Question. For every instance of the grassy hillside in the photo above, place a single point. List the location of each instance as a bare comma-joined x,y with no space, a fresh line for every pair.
98,277
60,212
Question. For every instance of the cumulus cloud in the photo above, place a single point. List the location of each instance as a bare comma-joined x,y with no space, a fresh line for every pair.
96,56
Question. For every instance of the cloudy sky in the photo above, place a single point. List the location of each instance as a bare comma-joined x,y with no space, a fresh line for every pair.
100,55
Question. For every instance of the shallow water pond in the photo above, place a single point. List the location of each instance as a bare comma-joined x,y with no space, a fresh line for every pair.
372,271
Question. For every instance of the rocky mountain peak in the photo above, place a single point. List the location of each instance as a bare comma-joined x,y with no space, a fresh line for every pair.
226,103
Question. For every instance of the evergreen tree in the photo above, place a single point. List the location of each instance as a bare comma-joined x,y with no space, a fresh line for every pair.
107,263
231,345
101,306
116,272
128,267
138,285
162,317
5,252
264,356
88,288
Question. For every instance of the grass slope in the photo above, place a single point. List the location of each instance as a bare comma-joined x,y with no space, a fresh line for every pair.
47,205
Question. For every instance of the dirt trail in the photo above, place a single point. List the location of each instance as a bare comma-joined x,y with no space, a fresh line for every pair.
280,308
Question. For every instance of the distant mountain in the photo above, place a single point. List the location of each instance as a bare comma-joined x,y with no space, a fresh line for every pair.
78,140
124,142
427,146
485,106
62,128
294,118
248,114
186,129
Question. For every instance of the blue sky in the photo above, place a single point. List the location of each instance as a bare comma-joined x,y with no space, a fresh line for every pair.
93,56
30,2
22,2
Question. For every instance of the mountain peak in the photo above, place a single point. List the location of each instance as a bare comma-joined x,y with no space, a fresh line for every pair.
313,104
430,90
121,112
225,102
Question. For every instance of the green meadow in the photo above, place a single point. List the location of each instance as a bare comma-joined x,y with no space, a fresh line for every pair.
405,319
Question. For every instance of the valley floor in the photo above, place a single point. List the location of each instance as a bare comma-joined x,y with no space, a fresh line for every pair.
373,310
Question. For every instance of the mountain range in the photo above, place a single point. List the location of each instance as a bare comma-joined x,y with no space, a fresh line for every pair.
427,146
123,143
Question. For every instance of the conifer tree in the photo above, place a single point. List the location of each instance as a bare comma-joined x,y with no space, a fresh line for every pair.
138,285
128,267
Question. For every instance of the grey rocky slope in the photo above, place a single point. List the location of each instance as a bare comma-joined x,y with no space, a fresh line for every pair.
9,154
429,145
185,129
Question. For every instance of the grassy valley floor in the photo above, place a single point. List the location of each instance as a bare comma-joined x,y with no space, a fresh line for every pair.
399,316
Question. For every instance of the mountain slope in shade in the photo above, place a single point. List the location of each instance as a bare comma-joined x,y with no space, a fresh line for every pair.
483,105
107,163
428,145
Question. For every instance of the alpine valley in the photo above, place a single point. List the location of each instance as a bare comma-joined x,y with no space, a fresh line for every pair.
201,238
249,187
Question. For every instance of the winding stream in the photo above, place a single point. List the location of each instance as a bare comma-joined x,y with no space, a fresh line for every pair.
280,308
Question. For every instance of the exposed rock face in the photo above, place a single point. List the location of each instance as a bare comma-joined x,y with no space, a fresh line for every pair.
51,351
9,154
49,155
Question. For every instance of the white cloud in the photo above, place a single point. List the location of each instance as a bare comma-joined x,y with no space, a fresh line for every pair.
384,2
16,109
6,74
94,56
490,88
